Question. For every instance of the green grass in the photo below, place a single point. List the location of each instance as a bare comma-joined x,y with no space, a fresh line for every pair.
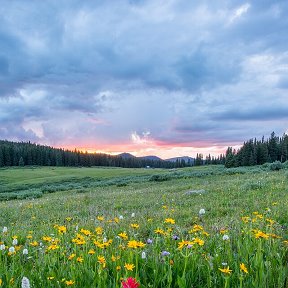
226,196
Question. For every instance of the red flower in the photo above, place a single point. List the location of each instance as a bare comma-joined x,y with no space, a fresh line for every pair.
130,283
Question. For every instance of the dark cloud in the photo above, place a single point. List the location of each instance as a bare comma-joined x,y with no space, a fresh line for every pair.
97,71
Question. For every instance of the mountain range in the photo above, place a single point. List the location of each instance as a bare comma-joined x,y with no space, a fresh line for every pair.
156,158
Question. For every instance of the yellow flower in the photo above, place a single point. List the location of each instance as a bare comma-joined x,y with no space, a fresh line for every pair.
196,228
70,257
69,282
169,221
85,232
34,243
68,219
100,218
62,229
159,231
116,219
184,243
80,259
135,244
199,241
46,238
243,268
270,221
118,268
91,252
245,219
1,282
99,230
53,247
123,235
135,226
29,236
101,260
50,277
129,267
225,270
260,234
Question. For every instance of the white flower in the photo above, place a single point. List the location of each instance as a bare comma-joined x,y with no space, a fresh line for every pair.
14,242
133,215
2,247
201,211
121,217
25,251
104,239
225,237
12,249
143,255
25,283
5,229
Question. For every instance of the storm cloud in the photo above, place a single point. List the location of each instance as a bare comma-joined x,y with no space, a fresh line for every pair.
143,76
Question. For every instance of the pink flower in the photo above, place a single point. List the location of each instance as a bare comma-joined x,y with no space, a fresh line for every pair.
130,283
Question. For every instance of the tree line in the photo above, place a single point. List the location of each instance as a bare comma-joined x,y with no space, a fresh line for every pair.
258,152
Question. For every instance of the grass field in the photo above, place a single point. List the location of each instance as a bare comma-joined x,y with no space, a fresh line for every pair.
101,226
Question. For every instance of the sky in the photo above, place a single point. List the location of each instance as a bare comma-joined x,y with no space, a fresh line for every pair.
157,77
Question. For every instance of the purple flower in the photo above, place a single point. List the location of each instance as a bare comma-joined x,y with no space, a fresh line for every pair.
149,241
165,253
175,237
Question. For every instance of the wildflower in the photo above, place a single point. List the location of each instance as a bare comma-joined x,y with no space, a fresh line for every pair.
25,283
100,218
129,267
80,259
130,283
25,251
143,255
225,270
199,241
101,260
149,241
135,244
34,243
118,268
121,217
62,229
85,232
165,253
175,237
69,282
12,250
225,237
70,257
201,211
91,252
2,247
5,229
243,268
260,234
1,281
133,215
50,278
159,231
171,262
135,226
169,221
196,228
99,230
123,235
245,219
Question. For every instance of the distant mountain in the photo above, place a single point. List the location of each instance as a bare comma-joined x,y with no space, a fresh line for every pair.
151,157
185,158
126,155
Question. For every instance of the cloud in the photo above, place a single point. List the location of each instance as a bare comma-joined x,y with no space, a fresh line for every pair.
191,73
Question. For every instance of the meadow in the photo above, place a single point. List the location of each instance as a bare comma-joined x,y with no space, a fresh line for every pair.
113,227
